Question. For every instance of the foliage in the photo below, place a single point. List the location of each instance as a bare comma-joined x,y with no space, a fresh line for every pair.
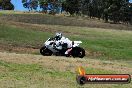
51,5
30,4
6,4
0,2
44,5
113,10
71,6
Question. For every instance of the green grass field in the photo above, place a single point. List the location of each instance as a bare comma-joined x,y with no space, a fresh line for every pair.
107,44
108,51
14,35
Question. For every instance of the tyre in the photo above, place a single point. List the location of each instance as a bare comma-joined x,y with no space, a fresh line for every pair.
45,52
82,53
78,52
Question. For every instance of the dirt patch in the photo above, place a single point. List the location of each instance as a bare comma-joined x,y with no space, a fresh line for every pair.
18,49
64,64
29,26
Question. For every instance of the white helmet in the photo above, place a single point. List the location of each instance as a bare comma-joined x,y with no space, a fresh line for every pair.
58,35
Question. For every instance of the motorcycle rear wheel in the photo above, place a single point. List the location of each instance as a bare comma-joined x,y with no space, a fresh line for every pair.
78,52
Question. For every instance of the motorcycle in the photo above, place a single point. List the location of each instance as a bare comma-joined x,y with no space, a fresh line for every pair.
49,48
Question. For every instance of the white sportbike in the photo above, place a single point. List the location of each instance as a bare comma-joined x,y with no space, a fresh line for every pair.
49,48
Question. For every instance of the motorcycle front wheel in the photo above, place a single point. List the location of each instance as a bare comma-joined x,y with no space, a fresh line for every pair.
45,52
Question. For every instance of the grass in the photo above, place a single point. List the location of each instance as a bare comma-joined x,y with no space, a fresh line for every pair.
101,43
113,44
21,37
4,12
29,75
37,18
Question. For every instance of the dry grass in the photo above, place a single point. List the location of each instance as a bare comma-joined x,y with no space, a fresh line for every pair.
59,20
65,64
22,70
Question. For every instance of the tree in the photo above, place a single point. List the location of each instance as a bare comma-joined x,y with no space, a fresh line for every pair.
0,2
71,6
118,10
34,4
51,5
115,10
30,4
44,5
7,5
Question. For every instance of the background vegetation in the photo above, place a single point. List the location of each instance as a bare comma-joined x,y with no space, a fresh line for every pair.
6,5
114,10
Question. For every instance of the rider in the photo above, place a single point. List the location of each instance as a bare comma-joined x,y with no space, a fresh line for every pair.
62,42
58,36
